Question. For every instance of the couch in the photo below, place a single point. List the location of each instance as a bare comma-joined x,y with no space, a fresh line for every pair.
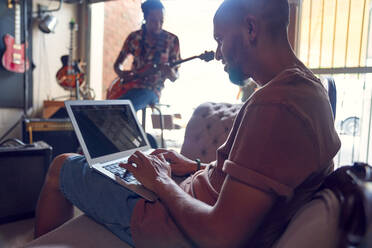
338,216
317,224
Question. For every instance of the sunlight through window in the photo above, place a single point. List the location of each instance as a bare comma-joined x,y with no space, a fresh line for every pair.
192,22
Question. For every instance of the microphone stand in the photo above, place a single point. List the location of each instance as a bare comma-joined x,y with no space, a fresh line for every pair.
76,73
77,86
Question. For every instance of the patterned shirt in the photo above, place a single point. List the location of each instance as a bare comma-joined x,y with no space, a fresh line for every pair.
165,49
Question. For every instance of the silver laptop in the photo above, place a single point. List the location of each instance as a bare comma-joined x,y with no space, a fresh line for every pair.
109,132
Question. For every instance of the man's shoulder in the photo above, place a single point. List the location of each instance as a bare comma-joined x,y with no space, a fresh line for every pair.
297,92
135,34
290,85
170,35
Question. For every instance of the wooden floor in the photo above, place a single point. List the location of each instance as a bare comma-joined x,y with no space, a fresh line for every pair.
16,234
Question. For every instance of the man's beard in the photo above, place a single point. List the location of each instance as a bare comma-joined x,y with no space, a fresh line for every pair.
236,76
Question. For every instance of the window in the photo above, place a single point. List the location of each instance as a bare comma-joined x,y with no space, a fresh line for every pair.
334,41
199,81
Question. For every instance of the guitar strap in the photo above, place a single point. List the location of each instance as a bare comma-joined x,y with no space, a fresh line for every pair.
160,47
142,42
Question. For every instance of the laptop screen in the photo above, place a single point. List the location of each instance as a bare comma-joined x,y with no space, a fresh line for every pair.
108,129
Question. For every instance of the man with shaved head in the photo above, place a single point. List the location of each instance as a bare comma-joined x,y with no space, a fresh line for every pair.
278,152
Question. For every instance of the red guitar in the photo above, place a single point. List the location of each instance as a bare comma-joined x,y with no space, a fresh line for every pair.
70,74
14,56
121,85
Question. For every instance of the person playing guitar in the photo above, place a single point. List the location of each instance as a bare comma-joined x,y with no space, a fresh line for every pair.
151,47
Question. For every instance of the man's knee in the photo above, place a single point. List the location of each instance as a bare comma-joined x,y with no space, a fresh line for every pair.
55,169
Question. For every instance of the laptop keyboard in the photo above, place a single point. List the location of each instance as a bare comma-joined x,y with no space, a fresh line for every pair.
120,172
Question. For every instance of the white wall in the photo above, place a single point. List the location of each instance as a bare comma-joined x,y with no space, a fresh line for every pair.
96,48
47,50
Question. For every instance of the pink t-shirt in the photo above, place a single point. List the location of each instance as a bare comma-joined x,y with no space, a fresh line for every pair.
282,142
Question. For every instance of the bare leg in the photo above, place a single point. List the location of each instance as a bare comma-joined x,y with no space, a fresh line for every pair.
52,209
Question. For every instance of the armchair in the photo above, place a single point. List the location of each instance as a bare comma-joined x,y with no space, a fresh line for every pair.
207,129
339,214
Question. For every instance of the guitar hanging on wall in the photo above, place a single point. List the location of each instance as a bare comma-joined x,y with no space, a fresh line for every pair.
14,56
120,86
70,74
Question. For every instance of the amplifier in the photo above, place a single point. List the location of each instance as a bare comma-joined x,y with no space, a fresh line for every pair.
58,133
22,174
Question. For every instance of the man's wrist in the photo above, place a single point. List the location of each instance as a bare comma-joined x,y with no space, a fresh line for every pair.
198,164
161,185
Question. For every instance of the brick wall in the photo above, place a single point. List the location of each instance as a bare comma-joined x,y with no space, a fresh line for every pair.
121,18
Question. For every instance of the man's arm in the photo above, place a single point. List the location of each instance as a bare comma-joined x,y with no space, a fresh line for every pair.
229,223
170,72
174,55
125,51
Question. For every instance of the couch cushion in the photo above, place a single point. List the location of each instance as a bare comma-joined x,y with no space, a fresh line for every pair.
208,129
314,225
80,232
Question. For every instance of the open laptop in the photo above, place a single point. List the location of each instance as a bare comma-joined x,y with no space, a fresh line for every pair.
109,132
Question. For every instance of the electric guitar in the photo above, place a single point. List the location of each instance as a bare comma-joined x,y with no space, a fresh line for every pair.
70,74
121,85
14,56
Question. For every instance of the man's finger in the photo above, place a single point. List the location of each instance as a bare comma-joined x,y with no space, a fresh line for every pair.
161,157
128,166
158,151
169,156
143,157
134,159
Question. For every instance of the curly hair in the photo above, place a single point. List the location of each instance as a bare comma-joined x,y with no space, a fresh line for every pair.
149,5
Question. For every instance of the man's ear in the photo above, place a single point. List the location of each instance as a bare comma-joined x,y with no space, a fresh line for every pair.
251,27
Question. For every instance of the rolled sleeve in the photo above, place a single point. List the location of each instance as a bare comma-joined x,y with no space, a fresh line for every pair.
129,46
175,53
256,180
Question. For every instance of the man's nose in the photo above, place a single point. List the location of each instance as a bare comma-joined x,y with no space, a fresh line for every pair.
218,55
158,26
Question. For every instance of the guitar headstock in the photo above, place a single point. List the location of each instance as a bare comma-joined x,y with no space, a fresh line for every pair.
207,56
73,25
12,2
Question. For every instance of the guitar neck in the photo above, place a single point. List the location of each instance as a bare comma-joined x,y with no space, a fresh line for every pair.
17,24
182,61
207,56
70,49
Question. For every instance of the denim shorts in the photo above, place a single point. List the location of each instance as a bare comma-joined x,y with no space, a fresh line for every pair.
141,98
98,196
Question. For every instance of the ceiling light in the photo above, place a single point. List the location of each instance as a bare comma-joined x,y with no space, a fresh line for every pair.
48,23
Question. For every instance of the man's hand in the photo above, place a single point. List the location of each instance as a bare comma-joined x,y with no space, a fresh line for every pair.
180,165
127,75
169,72
148,169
